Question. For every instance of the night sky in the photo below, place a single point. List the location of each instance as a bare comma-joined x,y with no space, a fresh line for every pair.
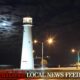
59,18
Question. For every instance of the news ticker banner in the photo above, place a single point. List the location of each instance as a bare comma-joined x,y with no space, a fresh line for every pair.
39,74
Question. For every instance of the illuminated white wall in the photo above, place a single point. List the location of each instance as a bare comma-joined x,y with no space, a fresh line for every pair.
27,61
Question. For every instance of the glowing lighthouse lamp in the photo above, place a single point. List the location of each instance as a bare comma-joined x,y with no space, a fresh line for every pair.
27,61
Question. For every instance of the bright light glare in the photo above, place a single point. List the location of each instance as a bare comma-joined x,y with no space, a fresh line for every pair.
50,40
73,50
6,23
35,41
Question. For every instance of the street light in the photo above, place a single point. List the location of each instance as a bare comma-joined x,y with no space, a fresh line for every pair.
73,51
35,41
49,41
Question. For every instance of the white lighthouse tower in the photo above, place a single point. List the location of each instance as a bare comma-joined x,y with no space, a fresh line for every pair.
27,61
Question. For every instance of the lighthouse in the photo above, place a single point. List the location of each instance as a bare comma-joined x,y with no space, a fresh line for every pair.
27,61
